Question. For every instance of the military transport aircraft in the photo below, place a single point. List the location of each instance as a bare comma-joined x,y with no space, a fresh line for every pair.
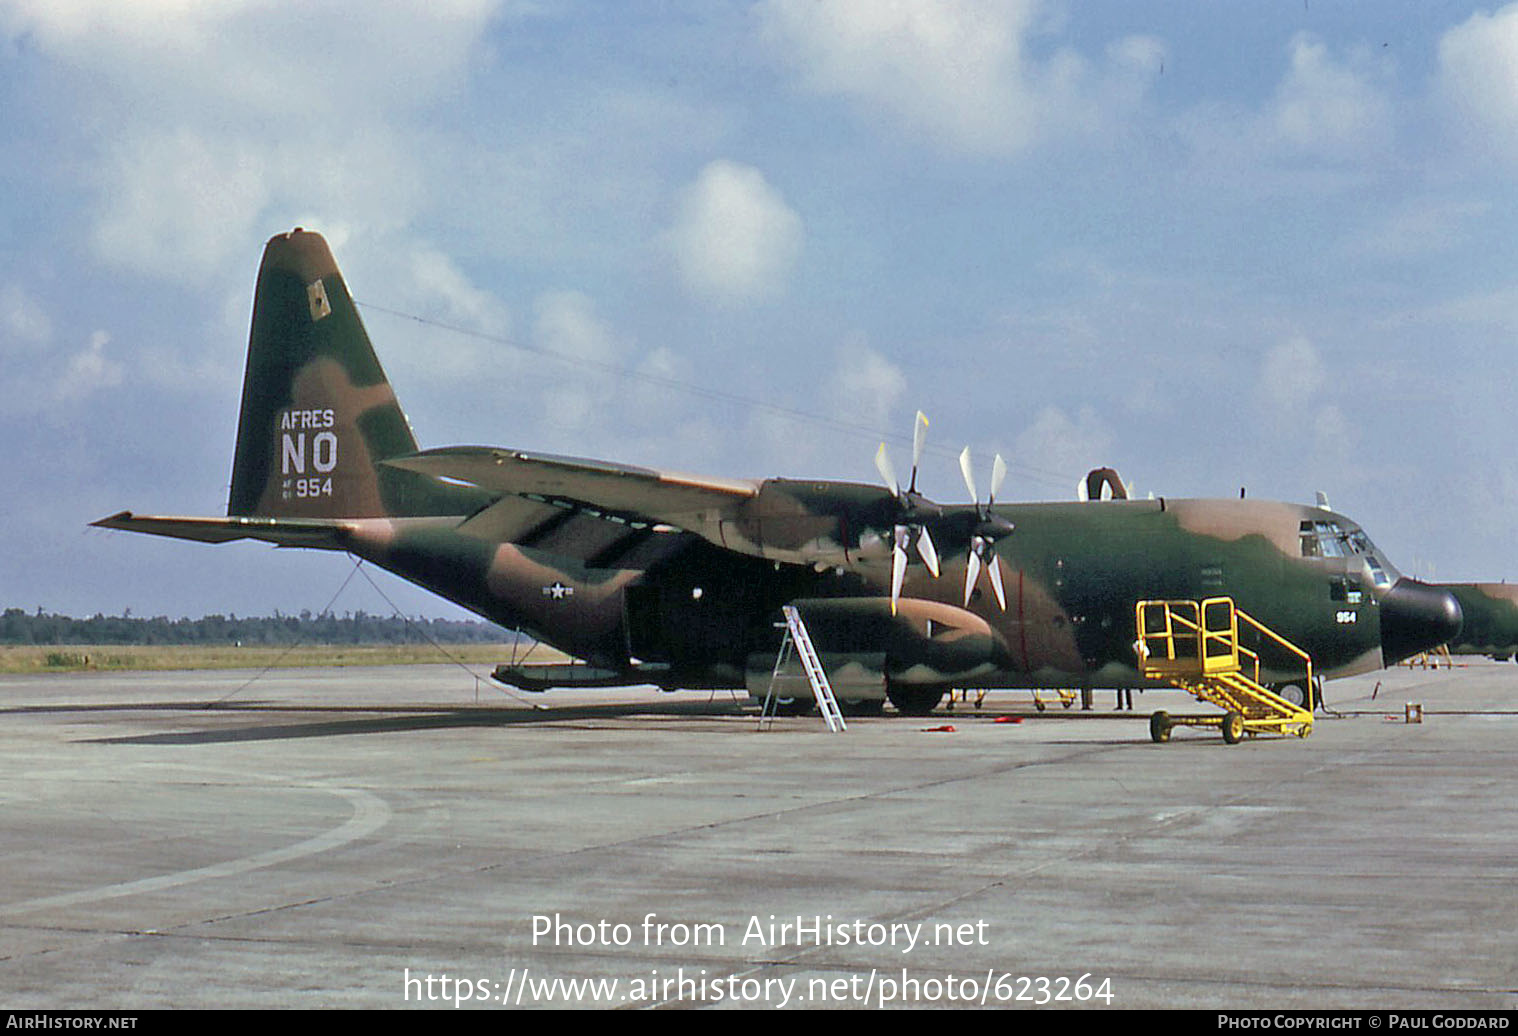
653,577
1490,612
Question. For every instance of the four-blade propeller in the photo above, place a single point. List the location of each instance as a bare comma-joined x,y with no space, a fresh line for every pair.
988,529
914,511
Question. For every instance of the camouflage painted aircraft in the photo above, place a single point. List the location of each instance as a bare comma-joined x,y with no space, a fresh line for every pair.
653,577
1490,611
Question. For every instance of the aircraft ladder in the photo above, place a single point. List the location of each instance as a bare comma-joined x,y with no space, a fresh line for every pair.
796,636
1194,645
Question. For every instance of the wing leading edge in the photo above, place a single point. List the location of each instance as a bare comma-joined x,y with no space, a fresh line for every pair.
660,496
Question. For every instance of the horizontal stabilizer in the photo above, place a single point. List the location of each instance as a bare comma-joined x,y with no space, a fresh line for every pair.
661,495
283,532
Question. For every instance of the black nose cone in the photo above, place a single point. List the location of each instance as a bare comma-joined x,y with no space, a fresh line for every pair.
1416,617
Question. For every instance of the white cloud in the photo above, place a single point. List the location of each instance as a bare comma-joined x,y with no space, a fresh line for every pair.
1291,374
24,324
568,325
1328,108
313,58
1301,415
1490,312
209,124
734,239
38,376
651,394
184,204
177,204
45,382
454,296
1420,227
421,280
88,370
1055,441
865,387
1329,126
957,70
1478,76
954,68
606,398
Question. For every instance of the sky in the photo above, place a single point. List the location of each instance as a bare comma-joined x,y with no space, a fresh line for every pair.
1238,244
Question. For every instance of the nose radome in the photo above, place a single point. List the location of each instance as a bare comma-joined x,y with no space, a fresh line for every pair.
1416,617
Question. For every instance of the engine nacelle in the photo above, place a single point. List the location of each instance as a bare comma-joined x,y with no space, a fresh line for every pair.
924,642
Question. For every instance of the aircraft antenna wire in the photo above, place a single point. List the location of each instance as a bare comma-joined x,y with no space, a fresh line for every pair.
289,647
478,679
1044,475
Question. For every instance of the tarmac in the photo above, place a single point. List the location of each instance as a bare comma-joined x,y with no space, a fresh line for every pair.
414,837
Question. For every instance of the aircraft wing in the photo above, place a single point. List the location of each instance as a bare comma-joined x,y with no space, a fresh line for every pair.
283,532
685,501
802,522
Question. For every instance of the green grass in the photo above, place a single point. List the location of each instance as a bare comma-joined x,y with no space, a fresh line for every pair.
73,658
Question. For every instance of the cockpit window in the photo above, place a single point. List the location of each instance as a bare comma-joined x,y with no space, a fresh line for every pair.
1324,540
1330,539
1377,573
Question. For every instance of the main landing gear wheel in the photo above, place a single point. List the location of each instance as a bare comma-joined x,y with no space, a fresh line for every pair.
794,706
1159,727
914,701
1233,728
1297,693
862,706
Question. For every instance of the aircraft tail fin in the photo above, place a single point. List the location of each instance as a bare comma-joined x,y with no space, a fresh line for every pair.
318,415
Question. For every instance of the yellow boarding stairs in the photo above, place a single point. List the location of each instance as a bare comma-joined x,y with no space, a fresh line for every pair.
1195,646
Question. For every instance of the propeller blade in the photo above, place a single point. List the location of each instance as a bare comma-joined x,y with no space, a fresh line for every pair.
929,554
967,470
998,476
995,566
972,573
919,439
886,469
898,573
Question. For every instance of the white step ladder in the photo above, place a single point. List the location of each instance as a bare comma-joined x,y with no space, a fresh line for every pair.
796,636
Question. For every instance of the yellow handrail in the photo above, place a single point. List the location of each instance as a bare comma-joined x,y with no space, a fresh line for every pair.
1195,646
1282,641
1188,622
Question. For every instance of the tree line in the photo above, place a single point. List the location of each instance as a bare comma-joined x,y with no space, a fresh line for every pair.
18,626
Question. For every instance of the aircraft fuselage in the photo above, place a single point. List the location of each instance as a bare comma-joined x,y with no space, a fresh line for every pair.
1073,572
